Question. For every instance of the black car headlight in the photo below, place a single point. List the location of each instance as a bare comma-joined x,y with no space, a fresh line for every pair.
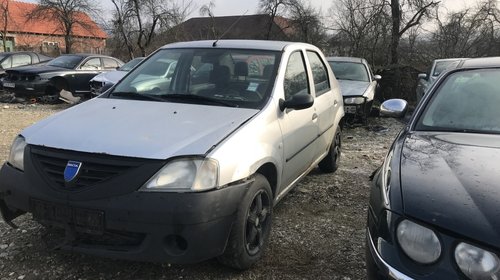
16,156
477,263
185,175
418,242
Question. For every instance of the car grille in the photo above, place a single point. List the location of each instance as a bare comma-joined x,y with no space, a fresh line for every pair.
95,169
14,77
96,87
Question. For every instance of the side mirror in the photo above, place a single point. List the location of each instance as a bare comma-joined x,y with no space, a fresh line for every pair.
297,102
377,77
394,108
422,76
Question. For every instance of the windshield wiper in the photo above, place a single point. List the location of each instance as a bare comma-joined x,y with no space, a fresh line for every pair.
137,96
204,99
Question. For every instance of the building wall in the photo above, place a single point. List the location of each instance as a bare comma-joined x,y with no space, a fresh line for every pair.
55,45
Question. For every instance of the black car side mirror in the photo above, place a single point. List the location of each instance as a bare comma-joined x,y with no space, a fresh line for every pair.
297,102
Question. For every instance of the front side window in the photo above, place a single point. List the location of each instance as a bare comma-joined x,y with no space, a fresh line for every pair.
66,61
351,71
20,60
225,77
110,64
320,74
296,81
467,101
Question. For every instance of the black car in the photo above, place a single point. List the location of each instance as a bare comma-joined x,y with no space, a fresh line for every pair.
70,72
435,202
15,59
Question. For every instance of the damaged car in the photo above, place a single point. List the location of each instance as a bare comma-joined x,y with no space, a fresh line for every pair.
70,73
433,211
358,85
104,81
181,170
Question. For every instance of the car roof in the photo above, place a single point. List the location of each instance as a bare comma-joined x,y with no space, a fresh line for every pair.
482,62
448,59
346,59
236,44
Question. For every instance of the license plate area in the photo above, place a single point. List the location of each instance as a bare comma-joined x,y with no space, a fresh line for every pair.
350,109
79,219
9,85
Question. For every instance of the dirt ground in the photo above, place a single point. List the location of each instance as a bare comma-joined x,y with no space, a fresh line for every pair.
318,229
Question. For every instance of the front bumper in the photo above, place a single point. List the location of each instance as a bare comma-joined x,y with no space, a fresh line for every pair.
26,88
144,226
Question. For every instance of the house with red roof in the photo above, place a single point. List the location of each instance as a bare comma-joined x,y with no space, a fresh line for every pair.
46,35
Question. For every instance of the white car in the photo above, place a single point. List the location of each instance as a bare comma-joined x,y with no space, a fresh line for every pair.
186,171
358,85
104,81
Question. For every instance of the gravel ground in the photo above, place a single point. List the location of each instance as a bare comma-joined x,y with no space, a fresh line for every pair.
318,229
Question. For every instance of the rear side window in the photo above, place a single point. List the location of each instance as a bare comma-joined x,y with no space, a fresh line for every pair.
296,81
320,74
92,64
110,64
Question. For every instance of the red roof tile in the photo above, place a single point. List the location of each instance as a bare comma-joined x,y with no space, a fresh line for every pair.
18,23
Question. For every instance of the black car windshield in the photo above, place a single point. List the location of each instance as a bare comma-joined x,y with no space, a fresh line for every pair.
351,71
466,101
444,65
66,61
131,64
220,77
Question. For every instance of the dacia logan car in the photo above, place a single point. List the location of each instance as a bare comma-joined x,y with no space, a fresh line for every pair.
181,169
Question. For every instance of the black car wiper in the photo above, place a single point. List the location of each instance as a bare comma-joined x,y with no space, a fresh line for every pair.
198,98
137,96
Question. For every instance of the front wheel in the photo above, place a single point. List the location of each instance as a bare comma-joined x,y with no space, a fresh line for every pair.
250,233
332,160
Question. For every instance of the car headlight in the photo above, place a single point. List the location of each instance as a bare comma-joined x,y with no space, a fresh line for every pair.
354,100
185,175
418,242
16,156
477,263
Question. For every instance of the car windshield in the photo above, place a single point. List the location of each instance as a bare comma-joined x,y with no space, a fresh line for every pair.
442,66
351,71
131,64
466,101
221,77
66,61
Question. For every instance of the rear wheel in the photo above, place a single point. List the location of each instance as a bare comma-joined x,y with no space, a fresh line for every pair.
332,160
250,233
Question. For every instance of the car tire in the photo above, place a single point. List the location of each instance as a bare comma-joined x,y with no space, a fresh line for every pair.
250,233
332,160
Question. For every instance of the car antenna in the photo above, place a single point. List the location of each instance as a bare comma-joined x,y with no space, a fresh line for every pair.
229,28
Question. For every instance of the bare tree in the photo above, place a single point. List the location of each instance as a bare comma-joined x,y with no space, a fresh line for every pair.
121,24
68,13
273,8
4,10
207,10
405,15
306,22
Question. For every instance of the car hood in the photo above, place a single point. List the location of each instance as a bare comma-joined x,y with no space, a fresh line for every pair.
353,88
36,69
109,77
452,180
142,129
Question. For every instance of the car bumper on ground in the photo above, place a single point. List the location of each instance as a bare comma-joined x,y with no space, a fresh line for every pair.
144,226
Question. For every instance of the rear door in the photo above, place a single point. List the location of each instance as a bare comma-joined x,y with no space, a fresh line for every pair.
326,104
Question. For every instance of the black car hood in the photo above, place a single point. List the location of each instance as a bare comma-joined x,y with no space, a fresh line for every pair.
36,69
452,180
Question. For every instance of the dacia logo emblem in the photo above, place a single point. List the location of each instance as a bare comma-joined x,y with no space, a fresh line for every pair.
71,171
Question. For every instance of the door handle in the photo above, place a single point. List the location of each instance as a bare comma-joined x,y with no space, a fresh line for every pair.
315,117
335,103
